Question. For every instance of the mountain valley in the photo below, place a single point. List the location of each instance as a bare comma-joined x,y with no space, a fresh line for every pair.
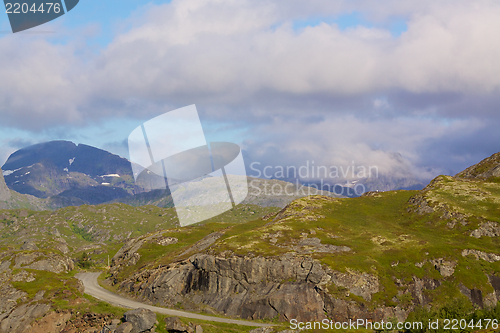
395,255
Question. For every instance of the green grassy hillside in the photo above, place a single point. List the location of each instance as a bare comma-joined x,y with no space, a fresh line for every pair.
447,234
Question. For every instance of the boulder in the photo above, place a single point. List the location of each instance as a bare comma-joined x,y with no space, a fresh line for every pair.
125,328
175,325
142,320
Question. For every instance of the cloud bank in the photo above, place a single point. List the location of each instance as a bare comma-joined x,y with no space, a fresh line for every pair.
315,92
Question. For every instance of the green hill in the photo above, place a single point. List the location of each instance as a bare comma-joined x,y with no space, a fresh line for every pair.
398,255
384,255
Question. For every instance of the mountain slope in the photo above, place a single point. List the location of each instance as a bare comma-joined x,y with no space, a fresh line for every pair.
76,158
78,172
385,255
261,192
4,190
379,256
10,199
487,168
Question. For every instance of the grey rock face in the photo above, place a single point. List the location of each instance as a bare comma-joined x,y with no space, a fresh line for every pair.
142,320
474,295
489,257
19,320
4,190
8,299
125,328
51,263
418,286
256,288
127,253
54,263
446,268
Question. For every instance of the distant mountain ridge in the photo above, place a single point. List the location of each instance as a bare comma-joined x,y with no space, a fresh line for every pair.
67,155
69,174
66,174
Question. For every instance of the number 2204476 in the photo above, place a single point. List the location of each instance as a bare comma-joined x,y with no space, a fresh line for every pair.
24,8
455,324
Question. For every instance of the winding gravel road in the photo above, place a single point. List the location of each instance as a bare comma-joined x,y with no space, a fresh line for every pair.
93,288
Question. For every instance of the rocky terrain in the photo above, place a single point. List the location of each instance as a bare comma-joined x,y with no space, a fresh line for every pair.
41,251
58,174
10,199
486,169
29,279
4,190
381,256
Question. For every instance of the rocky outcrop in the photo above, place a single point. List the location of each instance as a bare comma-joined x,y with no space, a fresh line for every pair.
255,288
444,267
18,310
489,257
4,190
174,324
53,263
43,262
134,321
19,320
53,322
419,205
488,229
359,284
127,255
418,287
489,167
8,299
142,320
474,295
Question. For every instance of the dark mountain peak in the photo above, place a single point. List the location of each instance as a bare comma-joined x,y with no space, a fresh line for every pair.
65,155
75,173
487,168
56,151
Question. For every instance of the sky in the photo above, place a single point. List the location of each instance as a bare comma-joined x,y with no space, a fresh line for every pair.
411,87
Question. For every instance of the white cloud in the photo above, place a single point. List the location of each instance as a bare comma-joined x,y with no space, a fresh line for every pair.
243,61
228,52
342,140
194,49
